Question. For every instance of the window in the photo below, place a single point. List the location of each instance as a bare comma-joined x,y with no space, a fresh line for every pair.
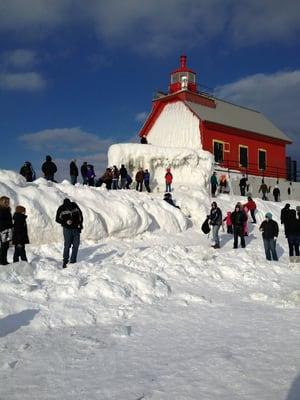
243,156
262,159
218,151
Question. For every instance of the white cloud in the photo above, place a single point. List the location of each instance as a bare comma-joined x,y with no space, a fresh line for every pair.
156,26
28,81
276,95
71,140
19,58
258,21
33,14
141,117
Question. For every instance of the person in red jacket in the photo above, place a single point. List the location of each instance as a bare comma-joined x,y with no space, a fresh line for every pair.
169,180
251,205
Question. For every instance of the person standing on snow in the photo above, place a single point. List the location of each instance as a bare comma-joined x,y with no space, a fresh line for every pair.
251,206
70,217
6,224
20,234
276,193
228,222
147,180
243,185
91,175
214,184
269,229
238,218
139,178
83,171
73,172
168,180
215,220
264,189
115,177
27,171
284,217
49,169
123,175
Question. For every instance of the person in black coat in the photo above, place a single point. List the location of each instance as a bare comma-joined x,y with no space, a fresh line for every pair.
284,217
84,173
243,185
20,234
276,193
5,229
73,172
49,169
169,200
70,217
27,171
123,174
270,230
293,235
238,219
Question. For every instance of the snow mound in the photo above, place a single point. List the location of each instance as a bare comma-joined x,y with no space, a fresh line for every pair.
106,213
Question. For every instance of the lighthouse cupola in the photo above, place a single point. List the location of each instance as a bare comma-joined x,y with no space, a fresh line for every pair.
183,78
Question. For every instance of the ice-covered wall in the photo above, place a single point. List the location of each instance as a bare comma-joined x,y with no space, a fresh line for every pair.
176,127
190,168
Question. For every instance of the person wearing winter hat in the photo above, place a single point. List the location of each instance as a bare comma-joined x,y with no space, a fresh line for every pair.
270,230
70,217
215,220
20,234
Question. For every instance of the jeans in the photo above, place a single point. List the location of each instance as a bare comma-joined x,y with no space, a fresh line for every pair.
123,183
115,184
73,179
293,241
213,190
72,238
238,231
270,248
168,187
215,234
84,180
20,252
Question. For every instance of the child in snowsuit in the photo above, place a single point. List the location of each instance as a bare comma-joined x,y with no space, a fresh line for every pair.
168,180
20,234
228,222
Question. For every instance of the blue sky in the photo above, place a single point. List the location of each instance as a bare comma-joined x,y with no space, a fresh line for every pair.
77,75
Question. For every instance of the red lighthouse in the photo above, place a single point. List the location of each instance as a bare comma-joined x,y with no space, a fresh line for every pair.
239,138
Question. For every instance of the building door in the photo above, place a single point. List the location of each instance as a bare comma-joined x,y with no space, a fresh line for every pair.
244,156
218,151
262,159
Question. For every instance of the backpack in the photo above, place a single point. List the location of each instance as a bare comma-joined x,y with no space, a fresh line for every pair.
205,227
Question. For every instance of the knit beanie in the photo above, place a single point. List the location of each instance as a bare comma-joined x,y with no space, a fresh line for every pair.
268,215
20,209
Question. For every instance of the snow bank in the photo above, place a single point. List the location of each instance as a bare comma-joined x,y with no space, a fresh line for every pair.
190,168
106,213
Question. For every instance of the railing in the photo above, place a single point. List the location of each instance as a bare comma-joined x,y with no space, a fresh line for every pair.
234,166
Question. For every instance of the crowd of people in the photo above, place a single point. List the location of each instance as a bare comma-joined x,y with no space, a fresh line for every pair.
236,222
14,228
113,178
221,185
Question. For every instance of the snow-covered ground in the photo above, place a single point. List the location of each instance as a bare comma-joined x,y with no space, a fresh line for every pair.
150,311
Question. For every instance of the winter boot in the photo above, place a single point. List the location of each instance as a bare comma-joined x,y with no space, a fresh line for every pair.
64,264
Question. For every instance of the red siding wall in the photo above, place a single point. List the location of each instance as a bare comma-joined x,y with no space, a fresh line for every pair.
275,149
